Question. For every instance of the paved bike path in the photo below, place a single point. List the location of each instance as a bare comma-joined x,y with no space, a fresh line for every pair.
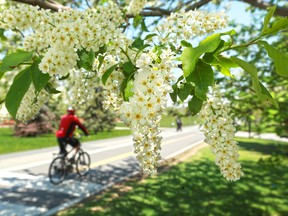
25,194
26,191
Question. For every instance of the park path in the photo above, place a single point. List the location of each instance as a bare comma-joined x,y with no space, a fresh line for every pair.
26,190
267,136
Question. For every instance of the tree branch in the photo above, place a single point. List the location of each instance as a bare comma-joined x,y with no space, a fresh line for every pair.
197,5
280,11
48,4
163,12
150,11
157,12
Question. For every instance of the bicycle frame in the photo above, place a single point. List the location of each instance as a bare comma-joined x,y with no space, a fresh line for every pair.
61,166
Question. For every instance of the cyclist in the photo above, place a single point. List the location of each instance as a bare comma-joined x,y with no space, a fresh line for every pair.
66,129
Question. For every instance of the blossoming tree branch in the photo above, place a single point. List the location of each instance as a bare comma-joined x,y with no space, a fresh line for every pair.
83,46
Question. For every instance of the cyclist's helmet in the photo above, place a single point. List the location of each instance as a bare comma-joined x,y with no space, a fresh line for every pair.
71,110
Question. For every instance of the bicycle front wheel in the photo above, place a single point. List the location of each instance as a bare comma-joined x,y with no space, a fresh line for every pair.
83,163
57,170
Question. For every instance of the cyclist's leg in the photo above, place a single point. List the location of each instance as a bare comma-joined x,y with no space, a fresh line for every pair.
62,145
75,144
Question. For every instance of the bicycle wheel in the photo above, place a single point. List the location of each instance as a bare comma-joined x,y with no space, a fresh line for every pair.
57,170
83,163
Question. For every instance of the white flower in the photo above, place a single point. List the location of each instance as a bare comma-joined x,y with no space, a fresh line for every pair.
136,6
219,132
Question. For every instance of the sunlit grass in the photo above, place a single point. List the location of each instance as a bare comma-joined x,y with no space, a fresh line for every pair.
10,143
195,187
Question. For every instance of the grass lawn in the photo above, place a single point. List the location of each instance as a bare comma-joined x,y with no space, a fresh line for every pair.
10,143
195,187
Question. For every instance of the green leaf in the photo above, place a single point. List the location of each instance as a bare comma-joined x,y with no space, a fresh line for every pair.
150,36
191,55
203,77
201,93
143,26
128,68
195,105
230,32
225,71
257,87
18,89
2,36
174,94
188,59
185,91
226,62
266,96
128,90
86,59
107,73
224,65
280,59
102,49
14,59
100,59
50,89
64,77
185,44
144,46
252,70
277,25
267,18
38,78
138,43
137,21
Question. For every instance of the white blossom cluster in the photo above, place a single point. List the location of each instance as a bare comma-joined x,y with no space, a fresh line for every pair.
31,104
135,6
219,132
2,24
112,92
58,36
142,113
82,84
113,56
186,25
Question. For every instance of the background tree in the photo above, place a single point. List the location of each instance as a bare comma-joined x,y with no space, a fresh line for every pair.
252,114
41,124
97,118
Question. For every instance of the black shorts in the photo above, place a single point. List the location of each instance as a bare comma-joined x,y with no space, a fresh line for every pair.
72,141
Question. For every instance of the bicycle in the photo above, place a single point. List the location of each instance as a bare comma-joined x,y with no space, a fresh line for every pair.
61,166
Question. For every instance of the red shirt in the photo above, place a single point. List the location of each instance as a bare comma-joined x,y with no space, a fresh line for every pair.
68,125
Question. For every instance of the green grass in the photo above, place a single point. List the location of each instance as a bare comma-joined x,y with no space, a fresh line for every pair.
195,187
10,143
167,121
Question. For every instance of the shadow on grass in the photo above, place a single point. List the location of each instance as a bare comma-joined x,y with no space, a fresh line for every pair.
264,146
196,188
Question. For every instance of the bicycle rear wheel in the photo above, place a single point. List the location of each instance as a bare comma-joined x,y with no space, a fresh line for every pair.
83,163
57,170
